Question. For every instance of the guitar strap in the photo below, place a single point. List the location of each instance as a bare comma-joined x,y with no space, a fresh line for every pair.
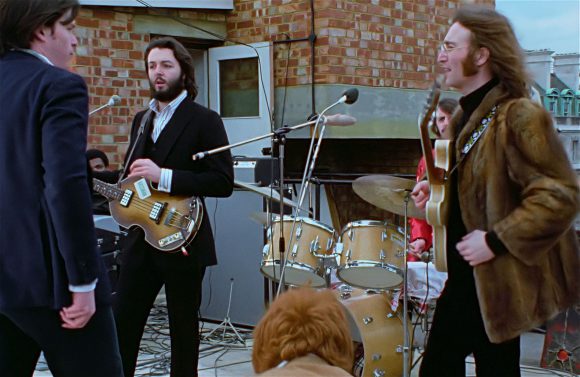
142,125
476,135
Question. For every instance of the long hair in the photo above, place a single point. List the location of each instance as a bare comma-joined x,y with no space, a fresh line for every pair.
299,322
183,57
493,31
19,19
448,106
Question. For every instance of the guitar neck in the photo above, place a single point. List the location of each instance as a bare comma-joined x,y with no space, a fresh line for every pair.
432,175
108,190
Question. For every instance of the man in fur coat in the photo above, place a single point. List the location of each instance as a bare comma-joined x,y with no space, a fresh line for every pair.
512,253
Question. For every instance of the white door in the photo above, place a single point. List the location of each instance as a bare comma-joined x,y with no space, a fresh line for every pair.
240,90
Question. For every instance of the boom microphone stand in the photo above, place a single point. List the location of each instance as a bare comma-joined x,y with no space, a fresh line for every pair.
348,97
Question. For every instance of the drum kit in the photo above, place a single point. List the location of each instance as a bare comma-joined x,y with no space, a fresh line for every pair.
367,257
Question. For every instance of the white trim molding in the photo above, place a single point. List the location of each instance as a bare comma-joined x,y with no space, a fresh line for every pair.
185,4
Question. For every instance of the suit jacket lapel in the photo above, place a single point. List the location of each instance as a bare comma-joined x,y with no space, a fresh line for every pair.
168,137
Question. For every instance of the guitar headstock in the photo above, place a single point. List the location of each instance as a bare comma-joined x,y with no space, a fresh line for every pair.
429,109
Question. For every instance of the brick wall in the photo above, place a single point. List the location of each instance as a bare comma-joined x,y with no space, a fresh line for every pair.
374,43
379,43
110,58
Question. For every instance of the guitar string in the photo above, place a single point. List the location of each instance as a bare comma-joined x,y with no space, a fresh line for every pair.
145,205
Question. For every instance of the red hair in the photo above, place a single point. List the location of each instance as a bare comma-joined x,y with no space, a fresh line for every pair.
299,322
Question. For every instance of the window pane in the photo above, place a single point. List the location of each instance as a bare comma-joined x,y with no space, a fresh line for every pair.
239,96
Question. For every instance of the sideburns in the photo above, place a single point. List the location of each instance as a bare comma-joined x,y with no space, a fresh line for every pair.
468,65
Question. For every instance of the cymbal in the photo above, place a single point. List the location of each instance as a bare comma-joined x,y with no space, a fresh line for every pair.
388,192
260,217
266,192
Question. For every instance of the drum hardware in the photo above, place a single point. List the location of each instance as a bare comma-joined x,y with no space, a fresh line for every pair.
392,194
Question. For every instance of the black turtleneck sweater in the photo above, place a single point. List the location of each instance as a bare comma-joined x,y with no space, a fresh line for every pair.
460,272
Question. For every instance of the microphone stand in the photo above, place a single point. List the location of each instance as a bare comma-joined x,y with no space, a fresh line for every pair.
101,108
279,137
308,169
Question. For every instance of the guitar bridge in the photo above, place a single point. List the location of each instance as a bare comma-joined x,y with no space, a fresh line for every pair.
156,211
126,199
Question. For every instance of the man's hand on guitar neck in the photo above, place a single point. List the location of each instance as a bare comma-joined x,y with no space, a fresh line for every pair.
474,249
420,194
145,168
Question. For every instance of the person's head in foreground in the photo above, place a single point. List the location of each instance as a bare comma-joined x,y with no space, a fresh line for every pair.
300,322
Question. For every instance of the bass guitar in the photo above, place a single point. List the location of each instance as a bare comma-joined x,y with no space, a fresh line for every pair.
169,221
436,209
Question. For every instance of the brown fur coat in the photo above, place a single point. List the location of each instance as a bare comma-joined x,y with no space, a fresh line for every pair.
517,181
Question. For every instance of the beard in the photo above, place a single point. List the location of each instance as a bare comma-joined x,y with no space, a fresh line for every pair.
174,88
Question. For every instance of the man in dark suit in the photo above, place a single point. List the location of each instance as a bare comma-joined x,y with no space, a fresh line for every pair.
54,295
160,150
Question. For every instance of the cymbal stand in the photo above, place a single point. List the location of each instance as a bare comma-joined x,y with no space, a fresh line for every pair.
406,335
227,323
279,140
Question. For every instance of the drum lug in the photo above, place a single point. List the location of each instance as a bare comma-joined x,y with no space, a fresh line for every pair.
351,234
399,349
367,320
338,247
384,236
329,244
390,315
378,373
376,356
348,253
299,231
294,250
266,249
382,255
269,234
315,245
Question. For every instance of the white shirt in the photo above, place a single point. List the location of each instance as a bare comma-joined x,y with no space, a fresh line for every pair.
161,119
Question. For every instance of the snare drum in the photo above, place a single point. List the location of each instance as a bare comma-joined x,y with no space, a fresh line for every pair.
373,323
308,254
371,255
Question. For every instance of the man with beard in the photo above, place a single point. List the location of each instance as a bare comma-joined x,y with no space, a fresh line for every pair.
512,253
174,128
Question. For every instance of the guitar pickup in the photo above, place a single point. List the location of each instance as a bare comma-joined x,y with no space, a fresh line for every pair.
156,211
126,199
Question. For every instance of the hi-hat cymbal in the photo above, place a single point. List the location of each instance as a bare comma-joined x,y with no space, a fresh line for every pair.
265,192
388,192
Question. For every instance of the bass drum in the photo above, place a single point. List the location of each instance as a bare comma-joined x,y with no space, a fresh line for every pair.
378,328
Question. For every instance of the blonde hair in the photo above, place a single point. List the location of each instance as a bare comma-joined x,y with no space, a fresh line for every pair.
299,322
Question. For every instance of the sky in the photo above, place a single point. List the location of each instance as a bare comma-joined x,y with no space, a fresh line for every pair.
544,24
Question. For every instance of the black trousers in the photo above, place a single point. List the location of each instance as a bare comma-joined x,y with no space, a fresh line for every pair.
458,331
88,352
143,273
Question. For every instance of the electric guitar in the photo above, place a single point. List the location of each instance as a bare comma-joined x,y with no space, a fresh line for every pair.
169,221
436,209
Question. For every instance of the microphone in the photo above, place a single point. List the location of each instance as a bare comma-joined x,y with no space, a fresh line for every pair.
426,257
339,120
113,101
349,96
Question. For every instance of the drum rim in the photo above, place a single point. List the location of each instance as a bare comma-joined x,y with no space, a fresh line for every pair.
307,220
301,267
